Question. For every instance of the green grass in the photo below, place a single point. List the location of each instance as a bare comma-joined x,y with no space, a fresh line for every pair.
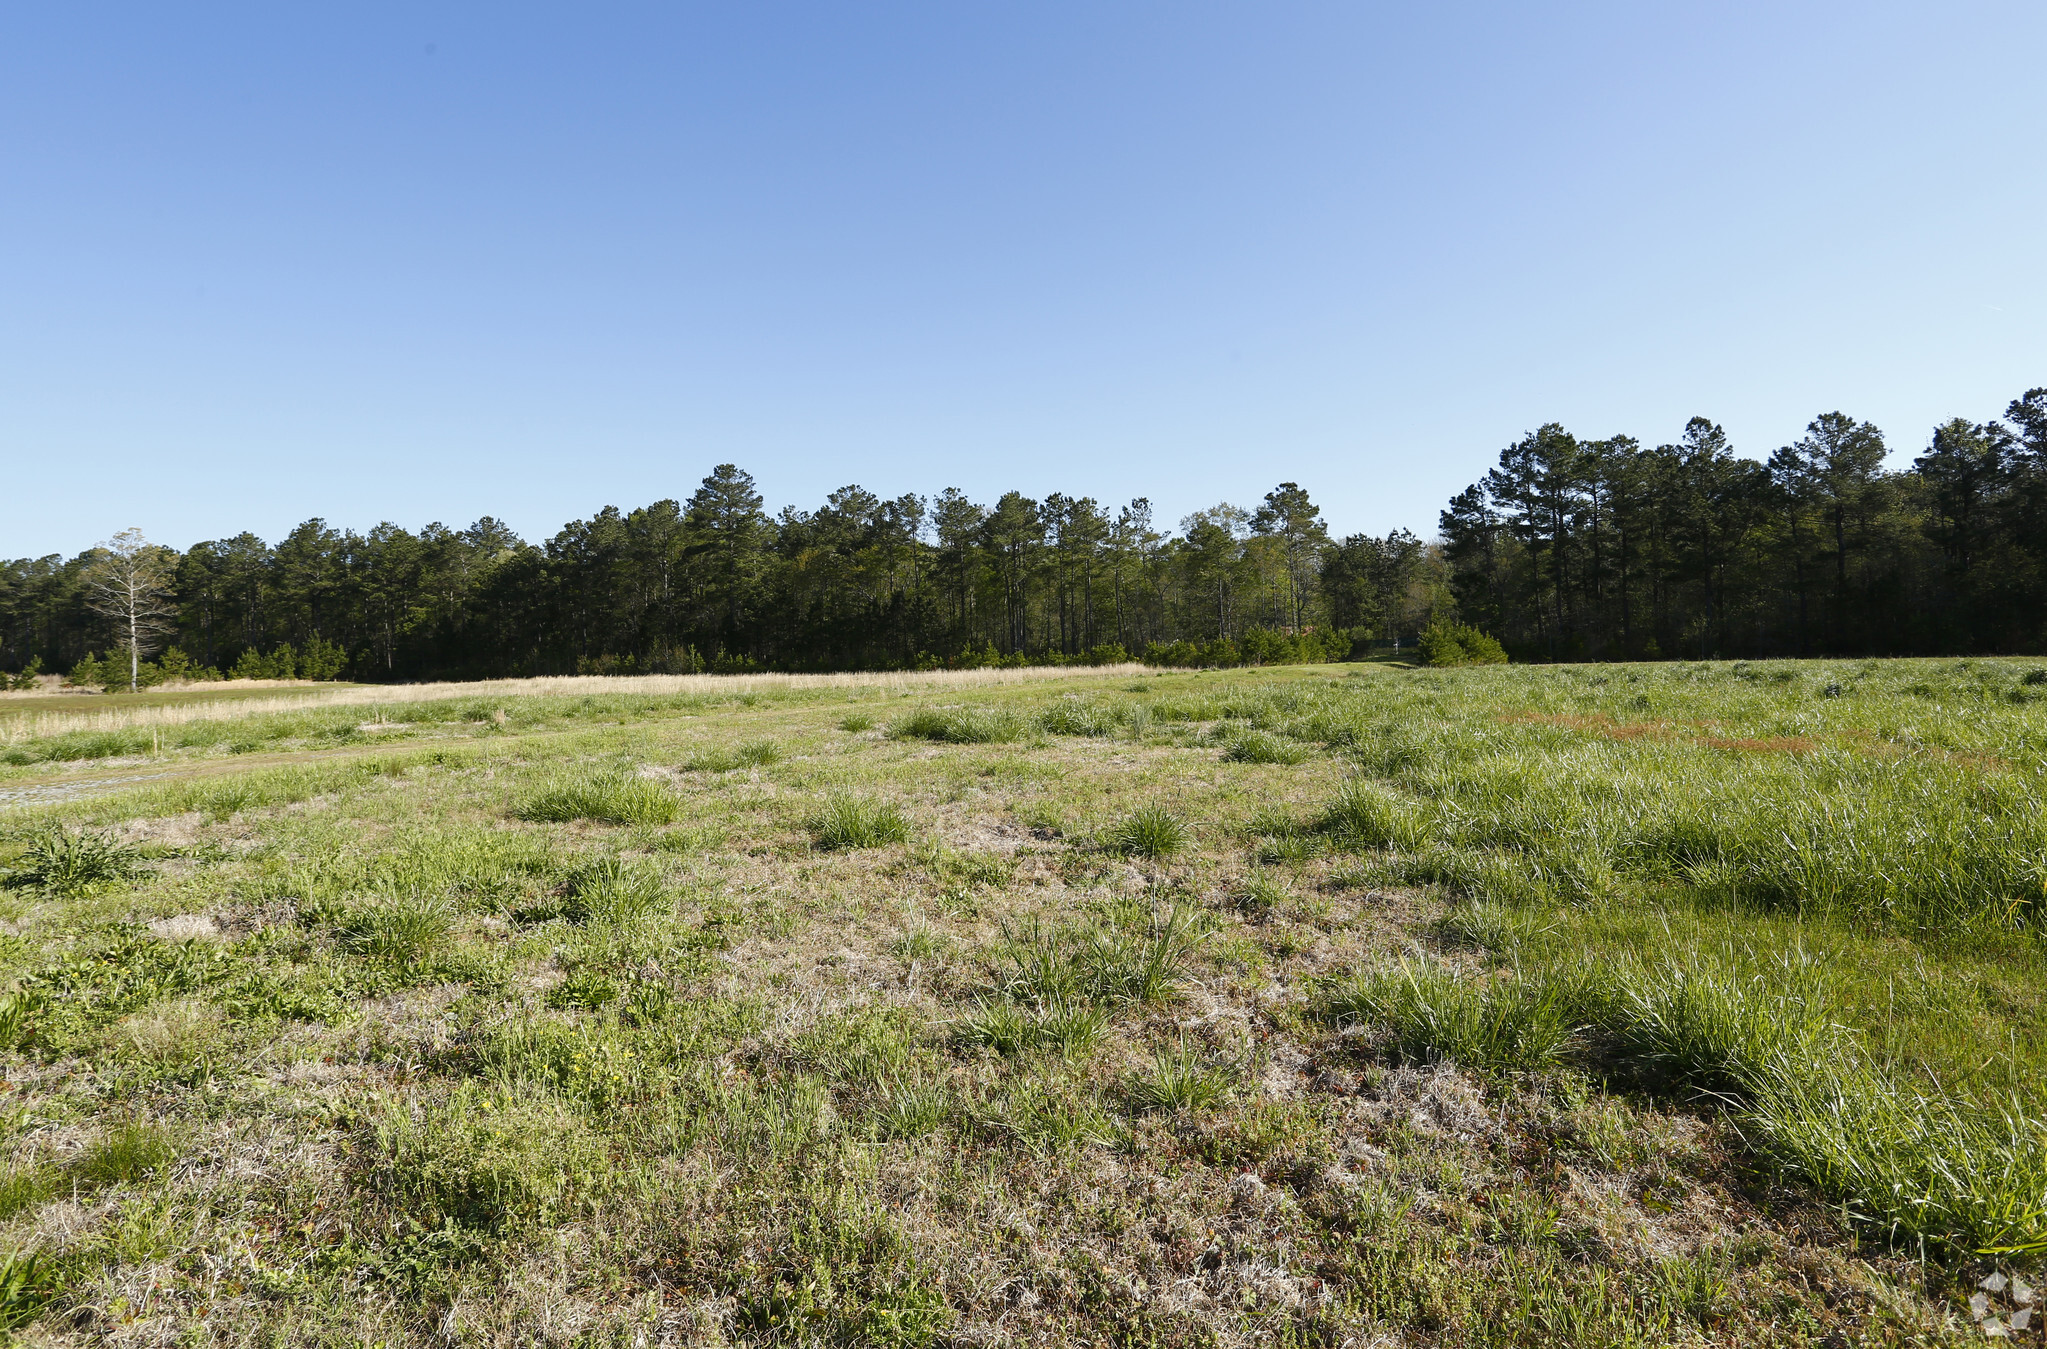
753,754
1684,1003
71,865
1255,746
1907,1160
854,822
1180,1079
1424,1012
961,725
616,797
1148,831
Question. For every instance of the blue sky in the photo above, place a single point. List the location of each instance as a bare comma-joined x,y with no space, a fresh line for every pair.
428,262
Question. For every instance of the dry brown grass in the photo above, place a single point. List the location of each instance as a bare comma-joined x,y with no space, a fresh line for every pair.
18,724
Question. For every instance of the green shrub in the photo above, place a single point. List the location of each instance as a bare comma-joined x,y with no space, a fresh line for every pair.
1445,644
1149,831
855,822
618,797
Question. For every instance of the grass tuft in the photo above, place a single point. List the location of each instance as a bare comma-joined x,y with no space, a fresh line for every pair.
1255,746
1427,1012
753,754
612,890
1180,1079
400,929
1081,716
961,725
28,1284
1060,1023
617,797
130,1152
1149,831
1365,814
856,822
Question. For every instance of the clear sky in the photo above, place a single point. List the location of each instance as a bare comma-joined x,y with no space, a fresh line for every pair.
428,262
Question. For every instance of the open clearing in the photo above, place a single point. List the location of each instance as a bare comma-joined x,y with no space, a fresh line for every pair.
1649,1004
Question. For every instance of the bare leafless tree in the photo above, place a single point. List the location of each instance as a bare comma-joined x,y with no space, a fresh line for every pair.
130,583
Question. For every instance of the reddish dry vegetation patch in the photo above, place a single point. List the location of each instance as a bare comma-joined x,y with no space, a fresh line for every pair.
1776,744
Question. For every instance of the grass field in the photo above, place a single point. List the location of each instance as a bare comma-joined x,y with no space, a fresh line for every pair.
1600,1005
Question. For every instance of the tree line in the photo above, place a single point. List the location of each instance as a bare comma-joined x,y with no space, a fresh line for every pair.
1568,549
1575,549
717,583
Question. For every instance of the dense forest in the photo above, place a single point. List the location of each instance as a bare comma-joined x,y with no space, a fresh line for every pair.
716,583
1569,549
1577,549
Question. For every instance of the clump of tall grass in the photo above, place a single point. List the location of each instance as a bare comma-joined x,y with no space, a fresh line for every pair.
1180,1079
847,821
1365,814
620,796
400,928
1428,1012
857,721
960,725
1060,1022
1250,745
28,1284
1261,895
611,890
1081,716
1051,1116
1909,1162
1109,966
70,865
1148,831
753,754
910,1109
229,799
129,1152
